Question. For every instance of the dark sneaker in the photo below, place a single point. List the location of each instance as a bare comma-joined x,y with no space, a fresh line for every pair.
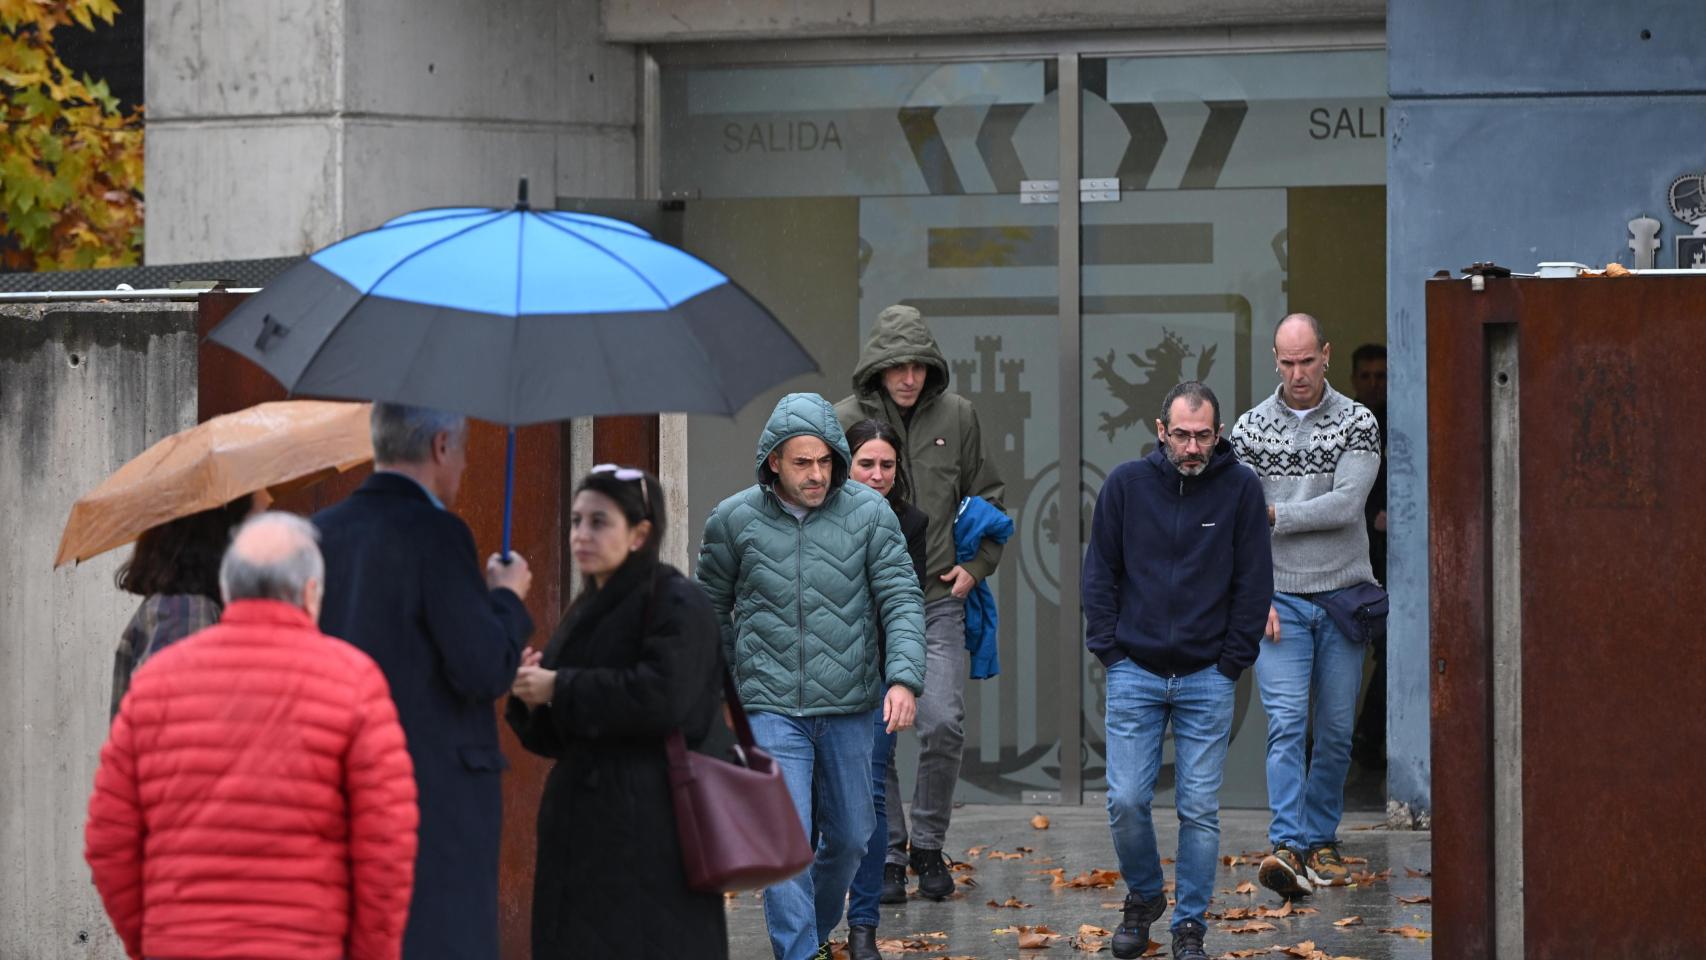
1283,872
825,951
934,879
894,883
862,943
1132,937
1326,868
1187,941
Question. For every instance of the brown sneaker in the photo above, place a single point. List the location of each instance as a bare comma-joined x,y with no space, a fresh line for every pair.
1283,872
1326,868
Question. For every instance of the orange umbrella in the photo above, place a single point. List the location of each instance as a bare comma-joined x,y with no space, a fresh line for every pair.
276,447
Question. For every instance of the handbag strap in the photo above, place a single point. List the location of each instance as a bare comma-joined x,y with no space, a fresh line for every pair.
676,743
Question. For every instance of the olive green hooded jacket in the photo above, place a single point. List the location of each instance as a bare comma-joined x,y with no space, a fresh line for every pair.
799,600
944,460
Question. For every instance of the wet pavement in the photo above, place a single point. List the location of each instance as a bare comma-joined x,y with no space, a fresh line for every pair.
1077,841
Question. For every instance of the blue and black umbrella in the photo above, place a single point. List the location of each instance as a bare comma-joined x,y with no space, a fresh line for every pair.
514,316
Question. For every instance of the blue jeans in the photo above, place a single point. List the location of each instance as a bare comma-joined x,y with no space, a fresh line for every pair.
826,762
1140,706
1313,660
862,906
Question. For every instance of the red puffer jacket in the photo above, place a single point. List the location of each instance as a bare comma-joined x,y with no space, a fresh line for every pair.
255,798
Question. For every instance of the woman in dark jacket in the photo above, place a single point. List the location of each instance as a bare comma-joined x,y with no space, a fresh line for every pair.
636,656
876,464
174,568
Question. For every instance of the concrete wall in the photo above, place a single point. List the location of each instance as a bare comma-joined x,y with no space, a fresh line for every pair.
662,21
275,129
83,388
1518,135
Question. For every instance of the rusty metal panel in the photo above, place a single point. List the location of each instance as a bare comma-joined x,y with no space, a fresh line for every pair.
1461,637
227,382
1614,545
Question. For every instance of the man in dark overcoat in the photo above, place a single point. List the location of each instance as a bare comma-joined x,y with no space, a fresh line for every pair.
403,583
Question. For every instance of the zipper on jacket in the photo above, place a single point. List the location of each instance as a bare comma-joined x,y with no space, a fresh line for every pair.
800,605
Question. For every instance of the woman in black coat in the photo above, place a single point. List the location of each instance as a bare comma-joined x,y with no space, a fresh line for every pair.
636,656
876,463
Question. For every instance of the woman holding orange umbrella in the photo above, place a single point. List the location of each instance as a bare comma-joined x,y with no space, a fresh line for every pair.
175,569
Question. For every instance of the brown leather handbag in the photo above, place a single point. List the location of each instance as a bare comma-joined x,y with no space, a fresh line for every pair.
736,821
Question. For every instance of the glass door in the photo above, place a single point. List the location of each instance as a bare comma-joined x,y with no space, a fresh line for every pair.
1248,186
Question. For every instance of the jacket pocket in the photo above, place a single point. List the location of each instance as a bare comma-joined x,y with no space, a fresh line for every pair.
483,759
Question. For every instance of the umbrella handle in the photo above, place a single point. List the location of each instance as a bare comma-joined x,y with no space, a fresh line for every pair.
509,492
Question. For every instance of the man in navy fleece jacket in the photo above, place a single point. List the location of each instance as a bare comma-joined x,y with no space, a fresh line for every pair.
1177,582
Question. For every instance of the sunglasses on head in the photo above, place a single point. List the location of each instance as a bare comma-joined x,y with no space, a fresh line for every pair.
629,475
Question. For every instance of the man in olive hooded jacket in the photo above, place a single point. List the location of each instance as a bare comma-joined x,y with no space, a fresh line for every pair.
902,378
802,569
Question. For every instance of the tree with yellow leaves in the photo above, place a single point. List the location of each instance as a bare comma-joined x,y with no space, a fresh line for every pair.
70,159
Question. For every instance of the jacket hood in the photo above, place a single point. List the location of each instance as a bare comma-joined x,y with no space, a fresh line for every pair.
801,415
900,336
1223,458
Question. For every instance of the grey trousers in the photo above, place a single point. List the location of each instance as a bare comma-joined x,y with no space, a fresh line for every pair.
941,732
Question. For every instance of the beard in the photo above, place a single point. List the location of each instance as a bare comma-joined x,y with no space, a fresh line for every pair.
1190,466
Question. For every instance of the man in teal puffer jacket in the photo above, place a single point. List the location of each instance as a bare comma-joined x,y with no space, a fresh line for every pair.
801,569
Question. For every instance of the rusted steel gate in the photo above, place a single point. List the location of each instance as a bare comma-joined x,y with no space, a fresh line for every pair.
1567,502
227,382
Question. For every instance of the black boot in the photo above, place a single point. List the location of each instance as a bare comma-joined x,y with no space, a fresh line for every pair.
1132,937
862,943
1187,941
894,883
934,879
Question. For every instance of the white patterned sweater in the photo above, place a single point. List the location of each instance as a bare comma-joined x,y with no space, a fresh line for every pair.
1316,472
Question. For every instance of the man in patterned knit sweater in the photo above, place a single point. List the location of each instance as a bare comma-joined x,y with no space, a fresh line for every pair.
1317,453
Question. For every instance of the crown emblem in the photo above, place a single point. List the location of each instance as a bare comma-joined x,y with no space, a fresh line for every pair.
1688,200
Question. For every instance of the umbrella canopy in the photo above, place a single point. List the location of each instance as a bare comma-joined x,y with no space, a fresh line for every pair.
277,447
514,316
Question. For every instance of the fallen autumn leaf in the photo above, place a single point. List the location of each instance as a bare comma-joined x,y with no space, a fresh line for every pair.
1348,922
1414,933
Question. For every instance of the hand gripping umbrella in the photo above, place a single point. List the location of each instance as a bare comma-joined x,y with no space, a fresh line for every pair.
515,316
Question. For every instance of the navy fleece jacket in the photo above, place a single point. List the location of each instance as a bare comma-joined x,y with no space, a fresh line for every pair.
1179,573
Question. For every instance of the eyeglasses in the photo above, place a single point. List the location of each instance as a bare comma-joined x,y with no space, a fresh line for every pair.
629,475
1181,437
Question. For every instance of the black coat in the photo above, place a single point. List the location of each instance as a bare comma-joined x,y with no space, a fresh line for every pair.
609,880
403,583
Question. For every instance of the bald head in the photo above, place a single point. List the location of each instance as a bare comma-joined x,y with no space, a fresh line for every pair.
274,556
1301,356
1301,330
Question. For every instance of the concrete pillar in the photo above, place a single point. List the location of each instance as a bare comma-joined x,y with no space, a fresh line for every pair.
83,388
275,130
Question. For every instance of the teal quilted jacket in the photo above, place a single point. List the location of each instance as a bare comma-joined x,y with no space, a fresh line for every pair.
798,600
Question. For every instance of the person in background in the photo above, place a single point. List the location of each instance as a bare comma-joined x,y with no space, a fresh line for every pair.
902,379
255,798
1368,379
1317,452
635,657
174,568
876,464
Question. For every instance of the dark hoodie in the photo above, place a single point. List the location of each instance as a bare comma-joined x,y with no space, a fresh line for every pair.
943,461
1179,573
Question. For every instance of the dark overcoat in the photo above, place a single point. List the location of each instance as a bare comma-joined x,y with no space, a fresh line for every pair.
609,880
404,583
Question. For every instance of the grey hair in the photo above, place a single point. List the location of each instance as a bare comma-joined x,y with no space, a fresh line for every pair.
403,434
275,577
1196,393
1314,327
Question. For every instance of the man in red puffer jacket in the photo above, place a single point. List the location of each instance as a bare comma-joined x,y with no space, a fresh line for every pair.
255,798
